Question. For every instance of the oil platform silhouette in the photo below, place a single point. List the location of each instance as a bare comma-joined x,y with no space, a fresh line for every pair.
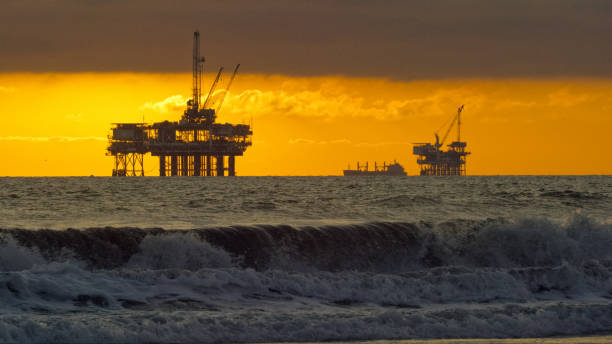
437,162
194,146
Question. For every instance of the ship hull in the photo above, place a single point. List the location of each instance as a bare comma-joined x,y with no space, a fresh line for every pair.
372,173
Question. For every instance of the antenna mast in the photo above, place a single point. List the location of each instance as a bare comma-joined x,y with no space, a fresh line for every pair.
459,123
197,72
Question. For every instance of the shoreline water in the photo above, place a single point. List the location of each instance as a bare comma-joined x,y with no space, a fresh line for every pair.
595,339
333,259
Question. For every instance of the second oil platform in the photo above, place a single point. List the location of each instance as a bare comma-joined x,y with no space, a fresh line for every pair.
434,161
194,146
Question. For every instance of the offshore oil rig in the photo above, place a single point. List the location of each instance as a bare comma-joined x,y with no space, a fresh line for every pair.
194,146
435,161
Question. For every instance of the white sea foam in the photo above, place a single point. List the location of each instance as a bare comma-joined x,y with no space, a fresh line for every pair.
181,251
533,320
16,257
63,301
494,257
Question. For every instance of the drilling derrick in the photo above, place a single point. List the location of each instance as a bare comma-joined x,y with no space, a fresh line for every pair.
435,161
194,146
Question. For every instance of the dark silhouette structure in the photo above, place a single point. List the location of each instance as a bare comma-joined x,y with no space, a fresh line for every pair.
437,162
386,169
194,146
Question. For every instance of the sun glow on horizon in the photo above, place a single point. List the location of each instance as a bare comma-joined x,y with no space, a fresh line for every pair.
57,124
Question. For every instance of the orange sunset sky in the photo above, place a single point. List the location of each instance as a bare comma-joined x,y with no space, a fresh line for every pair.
314,125
319,97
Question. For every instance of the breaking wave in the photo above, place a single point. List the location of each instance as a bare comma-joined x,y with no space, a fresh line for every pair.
375,247
494,278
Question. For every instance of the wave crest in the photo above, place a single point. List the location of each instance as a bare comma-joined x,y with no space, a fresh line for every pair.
179,251
377,247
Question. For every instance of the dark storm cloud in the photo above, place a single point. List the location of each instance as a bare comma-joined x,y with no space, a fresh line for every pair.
398,39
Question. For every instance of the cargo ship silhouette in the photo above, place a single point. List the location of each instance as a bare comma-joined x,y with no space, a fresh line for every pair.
391,169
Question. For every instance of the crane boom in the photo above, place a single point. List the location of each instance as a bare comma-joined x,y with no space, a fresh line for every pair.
212,88
456,119
459,123
229,84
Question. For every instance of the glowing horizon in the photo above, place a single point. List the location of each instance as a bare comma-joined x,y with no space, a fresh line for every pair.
55,124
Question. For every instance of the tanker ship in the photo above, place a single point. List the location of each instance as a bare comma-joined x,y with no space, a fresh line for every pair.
391,169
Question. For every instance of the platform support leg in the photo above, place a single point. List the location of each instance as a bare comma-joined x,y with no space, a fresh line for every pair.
162,165
184,165
197,165
220,166
231,165
173,165
208,165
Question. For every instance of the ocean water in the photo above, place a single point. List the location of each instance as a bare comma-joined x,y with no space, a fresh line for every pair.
306,259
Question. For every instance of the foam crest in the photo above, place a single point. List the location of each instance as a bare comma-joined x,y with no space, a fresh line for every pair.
381,247
536,242
180,251
399,247
14,257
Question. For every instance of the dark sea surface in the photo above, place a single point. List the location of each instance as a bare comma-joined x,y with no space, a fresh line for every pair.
285,259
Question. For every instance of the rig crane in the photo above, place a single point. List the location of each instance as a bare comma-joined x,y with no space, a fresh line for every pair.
450,127
213,87
229,84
